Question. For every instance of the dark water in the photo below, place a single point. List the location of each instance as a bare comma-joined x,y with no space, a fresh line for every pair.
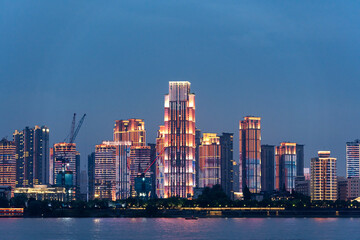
162,228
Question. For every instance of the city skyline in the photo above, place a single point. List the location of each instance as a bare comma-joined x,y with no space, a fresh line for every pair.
306,77
91,148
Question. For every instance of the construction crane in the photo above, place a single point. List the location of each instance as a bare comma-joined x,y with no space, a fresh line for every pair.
71,137
64,158
73,133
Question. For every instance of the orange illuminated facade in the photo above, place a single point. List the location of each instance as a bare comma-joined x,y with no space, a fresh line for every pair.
8,164
131,130
285,166
179,141
323,177
250,154
105,171
209,156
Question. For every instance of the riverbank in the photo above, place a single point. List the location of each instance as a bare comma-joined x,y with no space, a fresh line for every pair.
200,213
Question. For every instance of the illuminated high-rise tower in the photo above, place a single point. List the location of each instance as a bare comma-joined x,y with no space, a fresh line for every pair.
353,159
209,157
105,172
131,130
8,164
179,117
250,154
323,178
112,170
285,166
32,156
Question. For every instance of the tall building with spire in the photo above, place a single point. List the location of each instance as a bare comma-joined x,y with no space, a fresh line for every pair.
179,134
210,161
8,164
250,154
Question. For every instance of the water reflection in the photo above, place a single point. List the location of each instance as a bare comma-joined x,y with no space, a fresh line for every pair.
178,228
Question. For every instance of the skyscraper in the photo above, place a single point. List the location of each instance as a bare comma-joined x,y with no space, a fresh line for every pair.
91,176
209,156
32,152
8,164
112,170
179,118
105,171
299,160
250,154
285,166
197,161
153,156
323,178
267,167
227,163
353,159
131,130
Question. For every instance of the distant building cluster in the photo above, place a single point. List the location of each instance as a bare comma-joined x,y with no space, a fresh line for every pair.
181,162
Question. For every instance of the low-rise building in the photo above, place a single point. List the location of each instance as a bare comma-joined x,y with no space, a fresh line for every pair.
42,192
302,186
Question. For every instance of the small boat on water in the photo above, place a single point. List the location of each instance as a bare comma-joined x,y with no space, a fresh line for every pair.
191,218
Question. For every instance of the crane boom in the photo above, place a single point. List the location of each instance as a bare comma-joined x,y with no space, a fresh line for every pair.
72,139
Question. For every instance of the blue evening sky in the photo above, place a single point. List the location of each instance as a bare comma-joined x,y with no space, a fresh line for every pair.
293,63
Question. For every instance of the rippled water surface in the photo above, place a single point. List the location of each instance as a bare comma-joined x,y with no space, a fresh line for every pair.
176,228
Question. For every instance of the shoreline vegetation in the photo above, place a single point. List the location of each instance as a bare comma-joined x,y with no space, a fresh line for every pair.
212,203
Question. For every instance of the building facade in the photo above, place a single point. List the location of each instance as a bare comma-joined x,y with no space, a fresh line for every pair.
112,170
91,176
32,153
323,177
139,163
66,159
209,160
299,160
353,159
179,134
160,163
285,166
227,163
131,130
267,168
302,185
8,164
105,172
250,154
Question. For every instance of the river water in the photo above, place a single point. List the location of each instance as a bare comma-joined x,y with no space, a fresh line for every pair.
177,228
